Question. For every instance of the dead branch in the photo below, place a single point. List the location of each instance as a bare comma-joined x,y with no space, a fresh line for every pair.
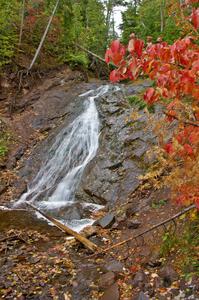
188,122
146,231
88,244
91,53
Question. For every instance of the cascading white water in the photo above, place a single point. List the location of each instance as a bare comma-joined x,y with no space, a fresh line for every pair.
75,146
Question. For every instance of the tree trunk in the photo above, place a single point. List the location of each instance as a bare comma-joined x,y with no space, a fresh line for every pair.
44,36
22,22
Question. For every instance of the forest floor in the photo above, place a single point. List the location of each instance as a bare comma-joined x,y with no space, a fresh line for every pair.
38,261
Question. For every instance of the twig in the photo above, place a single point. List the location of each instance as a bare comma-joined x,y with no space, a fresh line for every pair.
20,277
146,231
12,237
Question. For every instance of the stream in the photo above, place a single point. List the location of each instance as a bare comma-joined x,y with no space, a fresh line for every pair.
87,157
53,188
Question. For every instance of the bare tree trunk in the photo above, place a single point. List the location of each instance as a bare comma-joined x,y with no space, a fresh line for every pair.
162,7
22,22
44,36
109,9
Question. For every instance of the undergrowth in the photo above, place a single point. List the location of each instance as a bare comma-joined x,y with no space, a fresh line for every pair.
138,102
184,246
4,143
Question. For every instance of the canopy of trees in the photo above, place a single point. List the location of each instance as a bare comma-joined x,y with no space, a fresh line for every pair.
88,23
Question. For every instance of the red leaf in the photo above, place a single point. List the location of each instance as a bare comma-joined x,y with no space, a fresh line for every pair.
150,96
169,148
197,202
188,149
115,76
136,46
195,18
115,53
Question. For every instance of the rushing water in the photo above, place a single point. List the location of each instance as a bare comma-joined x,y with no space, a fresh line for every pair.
75,146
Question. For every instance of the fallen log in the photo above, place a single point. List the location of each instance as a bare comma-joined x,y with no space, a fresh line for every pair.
88,244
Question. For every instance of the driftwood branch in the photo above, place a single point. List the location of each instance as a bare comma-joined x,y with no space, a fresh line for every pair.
147,231
88,244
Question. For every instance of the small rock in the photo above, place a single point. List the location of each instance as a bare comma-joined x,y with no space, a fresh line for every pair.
133,224
145,252
106,280
140,277
114,266
175,292
157,282
112,293
141,296
131,211
107,221
155,260
168,274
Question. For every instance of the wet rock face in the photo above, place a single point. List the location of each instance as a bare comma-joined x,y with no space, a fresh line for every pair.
121,157
113,173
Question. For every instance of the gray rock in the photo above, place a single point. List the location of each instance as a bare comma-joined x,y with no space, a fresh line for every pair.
140,277
107,221
155,260
131,210
106,280
168,274
133,224
113,266
141,296
112,293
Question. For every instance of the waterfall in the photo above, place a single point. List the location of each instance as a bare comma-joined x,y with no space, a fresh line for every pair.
75,146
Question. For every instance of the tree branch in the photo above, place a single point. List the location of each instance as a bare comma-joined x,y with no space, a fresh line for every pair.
148,230
188,122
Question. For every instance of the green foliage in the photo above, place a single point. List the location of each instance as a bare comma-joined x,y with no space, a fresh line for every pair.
8,32
129,23
78,59
169,241
4,143
138,102
158,204
3,150
184,245
146,21
79,22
